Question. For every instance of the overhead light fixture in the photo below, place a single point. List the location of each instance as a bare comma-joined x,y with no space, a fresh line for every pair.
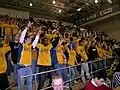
60,11
31,4
109,1
75,26
96,1
78,9
53,2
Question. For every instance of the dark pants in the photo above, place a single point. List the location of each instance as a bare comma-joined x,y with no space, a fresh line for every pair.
3,81
9,65
42,77
101,64
109,62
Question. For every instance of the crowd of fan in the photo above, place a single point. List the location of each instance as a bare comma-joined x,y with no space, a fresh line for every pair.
37,46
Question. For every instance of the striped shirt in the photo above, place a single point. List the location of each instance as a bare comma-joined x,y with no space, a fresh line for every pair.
116,80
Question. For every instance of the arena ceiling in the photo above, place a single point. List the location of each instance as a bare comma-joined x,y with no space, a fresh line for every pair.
69,8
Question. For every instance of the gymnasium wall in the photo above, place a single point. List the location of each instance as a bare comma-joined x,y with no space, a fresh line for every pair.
111,26
14,13
63,23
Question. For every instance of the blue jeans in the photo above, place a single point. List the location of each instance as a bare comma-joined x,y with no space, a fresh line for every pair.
42,77
33,66
24,72
85,69
15,71
9,65
73,72
63,73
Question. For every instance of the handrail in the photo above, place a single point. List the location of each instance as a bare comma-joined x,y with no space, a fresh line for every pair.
70,79
60,69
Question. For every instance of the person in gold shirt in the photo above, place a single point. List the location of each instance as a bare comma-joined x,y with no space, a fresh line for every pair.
44,59
108,54
83,56
4,83
24,60
7,53
72,61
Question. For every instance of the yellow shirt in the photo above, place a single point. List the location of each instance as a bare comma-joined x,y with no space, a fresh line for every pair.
26,55
44,57
60,55
77,42
6,48
101,52
2,27
81,50
14,28
72,57
85,42
53,35
34,55
7,29
48,36
2,24
3,65
110,52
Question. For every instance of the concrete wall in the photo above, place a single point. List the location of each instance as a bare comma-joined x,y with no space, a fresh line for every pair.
63,23
14,13
115,35
111,26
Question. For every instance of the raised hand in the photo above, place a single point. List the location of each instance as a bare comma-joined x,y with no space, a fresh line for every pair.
29,24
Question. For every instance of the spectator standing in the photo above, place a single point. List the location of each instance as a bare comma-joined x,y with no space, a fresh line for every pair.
14,45
84,67
24,60
93,55
4,83
44,59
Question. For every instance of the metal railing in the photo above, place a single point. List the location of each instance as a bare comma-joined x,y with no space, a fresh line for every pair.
69,67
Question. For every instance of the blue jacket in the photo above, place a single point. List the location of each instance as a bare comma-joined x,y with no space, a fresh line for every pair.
53,56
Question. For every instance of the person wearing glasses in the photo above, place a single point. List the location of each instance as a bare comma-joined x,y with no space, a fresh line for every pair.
57,82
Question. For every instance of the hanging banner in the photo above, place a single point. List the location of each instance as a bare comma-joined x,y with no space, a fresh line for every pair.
99,14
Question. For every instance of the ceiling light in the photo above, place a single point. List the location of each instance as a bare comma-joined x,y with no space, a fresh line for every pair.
31,4
78,9
82,29
75,26
60,11
53,2
96,1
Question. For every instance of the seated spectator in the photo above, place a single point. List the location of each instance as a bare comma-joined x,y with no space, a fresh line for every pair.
97,83
57,83
116,78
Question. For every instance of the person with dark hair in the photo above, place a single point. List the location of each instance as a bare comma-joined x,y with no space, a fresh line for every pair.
97,83
24,60
83,59
14,45
44,62
59,61
71,62
93,55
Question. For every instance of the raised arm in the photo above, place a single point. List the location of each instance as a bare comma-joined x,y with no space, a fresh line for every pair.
24,32
23,35
36,39
55,42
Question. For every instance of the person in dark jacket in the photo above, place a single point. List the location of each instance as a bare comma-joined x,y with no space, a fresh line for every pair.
93,55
